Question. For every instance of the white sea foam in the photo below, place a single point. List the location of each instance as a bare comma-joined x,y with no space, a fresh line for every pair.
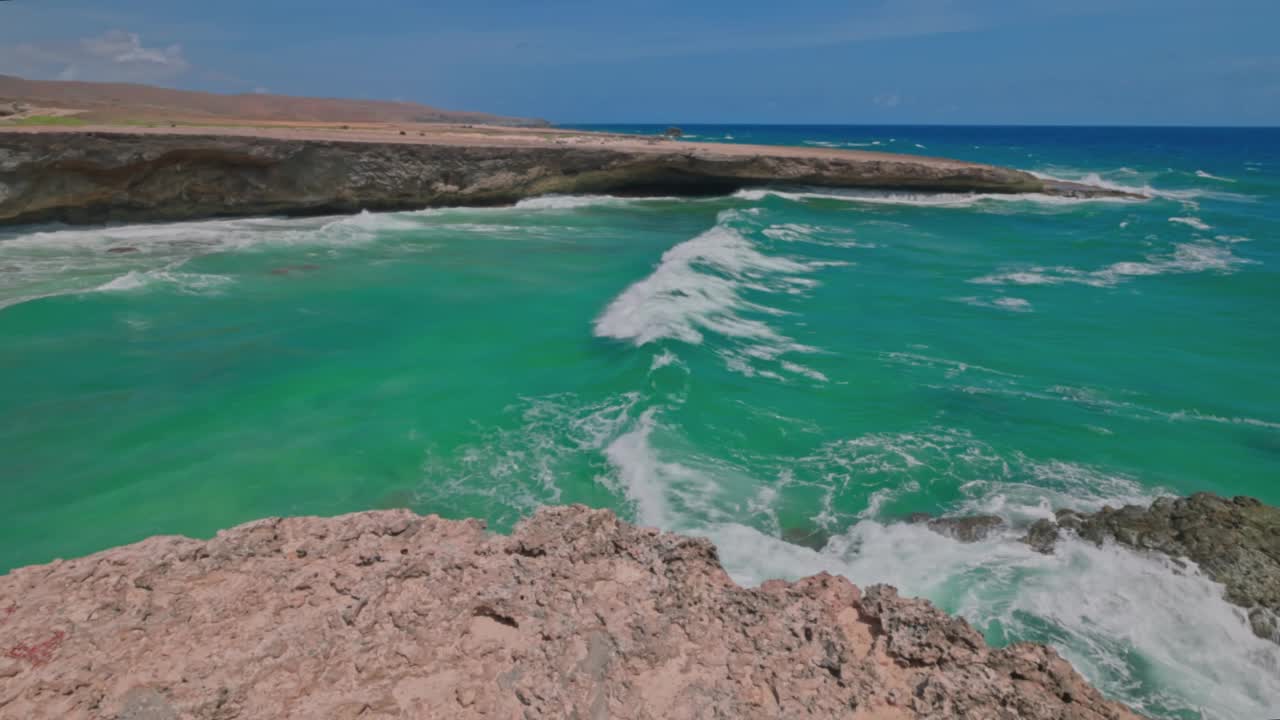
829,236
798,369
700,287
664,493
571,202
1011,304
365,221
1185,258
1187,196
1119,616
1196,415
1194,222
1122,618
680,300
517,469
190,283
953,368
640,472
830,144
663,359
1207,176
919,199
48,263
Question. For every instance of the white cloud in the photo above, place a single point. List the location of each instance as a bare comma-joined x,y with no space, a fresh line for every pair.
113,56
888,100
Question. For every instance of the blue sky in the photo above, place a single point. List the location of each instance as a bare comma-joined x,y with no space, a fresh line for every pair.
1192,62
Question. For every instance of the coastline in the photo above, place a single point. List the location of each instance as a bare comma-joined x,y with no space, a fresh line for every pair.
383,613
96,174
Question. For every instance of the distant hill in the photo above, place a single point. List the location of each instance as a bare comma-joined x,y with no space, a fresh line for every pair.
127,101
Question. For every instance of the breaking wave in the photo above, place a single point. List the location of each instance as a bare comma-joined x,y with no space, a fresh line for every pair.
571,202
701,286
1152,632
1012,304
1187,196
1186,258
1207,176
1194,222
920,199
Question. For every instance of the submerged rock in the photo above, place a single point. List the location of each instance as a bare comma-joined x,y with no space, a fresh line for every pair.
810,536
1235,541
967,528
577,614
1042,536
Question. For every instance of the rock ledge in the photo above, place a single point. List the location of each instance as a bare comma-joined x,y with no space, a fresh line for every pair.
576,614
147,175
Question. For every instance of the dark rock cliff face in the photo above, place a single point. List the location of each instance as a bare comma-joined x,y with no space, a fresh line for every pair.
575,615
86,177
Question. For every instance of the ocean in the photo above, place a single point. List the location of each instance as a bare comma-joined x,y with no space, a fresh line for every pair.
789,372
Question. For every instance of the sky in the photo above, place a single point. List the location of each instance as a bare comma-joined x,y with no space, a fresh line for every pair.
1068,62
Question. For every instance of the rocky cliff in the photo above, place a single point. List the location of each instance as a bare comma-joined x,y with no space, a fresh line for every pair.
576,614
92,177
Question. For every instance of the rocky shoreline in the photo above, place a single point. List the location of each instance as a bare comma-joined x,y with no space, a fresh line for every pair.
576,614
147,175
1234,541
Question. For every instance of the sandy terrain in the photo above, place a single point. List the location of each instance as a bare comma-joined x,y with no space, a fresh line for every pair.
491,136
139,104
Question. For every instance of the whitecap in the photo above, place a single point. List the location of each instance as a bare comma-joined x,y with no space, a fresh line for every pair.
953,368
1096,179
1194,222
1011,304
567,202
799,369
1207,176
700,286
53,262
1182,415
1185,258
663,359
188,283
920,199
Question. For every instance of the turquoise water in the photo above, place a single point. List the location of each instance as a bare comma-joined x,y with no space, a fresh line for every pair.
788,372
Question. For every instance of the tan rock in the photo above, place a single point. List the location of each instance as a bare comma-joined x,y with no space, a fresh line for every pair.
577,614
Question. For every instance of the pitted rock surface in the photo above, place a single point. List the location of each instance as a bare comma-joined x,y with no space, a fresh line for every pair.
575,615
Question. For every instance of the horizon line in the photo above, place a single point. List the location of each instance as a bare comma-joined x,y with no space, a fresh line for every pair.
1170,126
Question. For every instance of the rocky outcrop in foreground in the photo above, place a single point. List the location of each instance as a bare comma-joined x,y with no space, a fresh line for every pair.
1234,541
576,614
93,177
